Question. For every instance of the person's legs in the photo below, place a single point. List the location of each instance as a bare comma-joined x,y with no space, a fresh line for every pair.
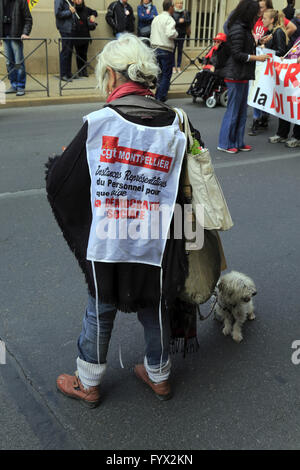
257,114
294,141
296,131
180,49
17,47
87,341
157,339
165,61
282,132
91,366
81,57
227,136
242,116
66,55
283,128
174,55
10,63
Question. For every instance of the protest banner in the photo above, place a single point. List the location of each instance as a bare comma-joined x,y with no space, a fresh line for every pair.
276,88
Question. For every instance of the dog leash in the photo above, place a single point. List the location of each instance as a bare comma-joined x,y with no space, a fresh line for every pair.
202,317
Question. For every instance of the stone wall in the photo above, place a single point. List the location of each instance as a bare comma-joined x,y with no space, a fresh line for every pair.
44,27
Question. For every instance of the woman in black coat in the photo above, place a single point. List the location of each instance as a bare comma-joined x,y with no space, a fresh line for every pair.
183,22
82,30
238,69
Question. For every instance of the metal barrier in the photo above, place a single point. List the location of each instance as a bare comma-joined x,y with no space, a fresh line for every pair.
87,64
66,84
208,43
43,42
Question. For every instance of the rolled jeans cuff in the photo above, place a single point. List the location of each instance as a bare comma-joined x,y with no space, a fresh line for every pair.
158,373
90,374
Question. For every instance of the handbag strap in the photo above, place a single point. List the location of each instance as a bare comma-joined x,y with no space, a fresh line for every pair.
185,127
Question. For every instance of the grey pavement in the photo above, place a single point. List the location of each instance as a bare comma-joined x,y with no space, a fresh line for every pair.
226,396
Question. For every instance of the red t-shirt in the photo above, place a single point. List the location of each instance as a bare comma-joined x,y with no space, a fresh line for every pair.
260,30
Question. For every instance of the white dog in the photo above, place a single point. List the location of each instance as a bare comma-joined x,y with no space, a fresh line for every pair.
234,303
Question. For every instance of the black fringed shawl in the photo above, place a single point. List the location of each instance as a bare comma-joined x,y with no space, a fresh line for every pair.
127,286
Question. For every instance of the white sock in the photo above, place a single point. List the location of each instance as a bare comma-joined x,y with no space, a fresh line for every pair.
154,372
90,374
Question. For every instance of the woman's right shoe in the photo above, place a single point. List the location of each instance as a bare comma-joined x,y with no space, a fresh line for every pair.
233,150
64,78
162,390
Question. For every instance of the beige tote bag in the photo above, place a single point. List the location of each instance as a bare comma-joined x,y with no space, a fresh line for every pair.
206,189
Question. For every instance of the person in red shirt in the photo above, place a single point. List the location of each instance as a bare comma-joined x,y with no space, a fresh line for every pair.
260,118
260,30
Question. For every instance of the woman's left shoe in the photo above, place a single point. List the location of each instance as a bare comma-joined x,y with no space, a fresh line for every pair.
162,390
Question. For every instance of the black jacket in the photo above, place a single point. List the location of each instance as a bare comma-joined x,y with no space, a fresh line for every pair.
296,35
118,20
181,27
289,12
239,45
21,19
278,42
80,26
64,18
128,286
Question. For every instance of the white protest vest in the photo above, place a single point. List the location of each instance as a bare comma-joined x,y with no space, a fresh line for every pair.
134,172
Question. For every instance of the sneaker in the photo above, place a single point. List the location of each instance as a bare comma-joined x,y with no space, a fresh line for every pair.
275,139
10,90
71,386
292,142
233,150
20,92
66,79
162,390
246,148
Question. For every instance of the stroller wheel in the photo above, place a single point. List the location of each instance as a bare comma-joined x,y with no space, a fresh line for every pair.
224,98
211,102
194,99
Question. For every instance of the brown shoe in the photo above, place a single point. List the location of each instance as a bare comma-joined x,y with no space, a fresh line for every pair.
162,390
71,386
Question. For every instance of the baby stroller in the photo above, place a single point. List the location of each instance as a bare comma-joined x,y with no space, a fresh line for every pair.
207,84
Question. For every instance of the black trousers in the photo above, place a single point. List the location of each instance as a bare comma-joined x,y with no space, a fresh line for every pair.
284,129
66,55
81,54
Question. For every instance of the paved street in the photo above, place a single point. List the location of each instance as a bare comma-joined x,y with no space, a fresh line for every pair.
226,396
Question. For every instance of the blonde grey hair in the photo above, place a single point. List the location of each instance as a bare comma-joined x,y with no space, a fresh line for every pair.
131,58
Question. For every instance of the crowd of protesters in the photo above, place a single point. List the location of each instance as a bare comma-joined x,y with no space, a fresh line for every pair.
252,23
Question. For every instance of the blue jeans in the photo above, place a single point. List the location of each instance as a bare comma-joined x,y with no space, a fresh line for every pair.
234,120
179,42
65,58
149,318
13,50
258,114
165,61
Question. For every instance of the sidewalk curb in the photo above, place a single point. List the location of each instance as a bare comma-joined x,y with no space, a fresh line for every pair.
73,99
